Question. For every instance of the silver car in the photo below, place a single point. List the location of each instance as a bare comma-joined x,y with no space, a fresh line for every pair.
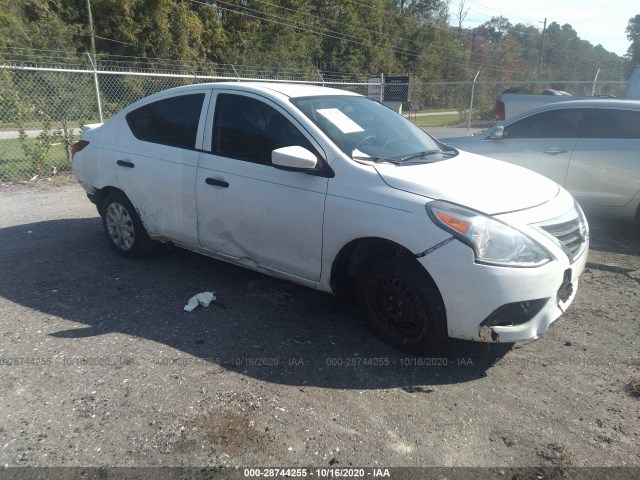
591,147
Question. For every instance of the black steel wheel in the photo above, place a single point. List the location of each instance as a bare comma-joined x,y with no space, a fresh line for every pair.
401,304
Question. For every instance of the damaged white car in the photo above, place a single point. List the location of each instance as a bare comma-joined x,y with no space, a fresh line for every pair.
334,191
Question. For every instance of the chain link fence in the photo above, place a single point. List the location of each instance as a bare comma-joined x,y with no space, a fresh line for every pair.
42,109
472,104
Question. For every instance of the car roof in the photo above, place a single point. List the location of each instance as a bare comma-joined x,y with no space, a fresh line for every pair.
596,102
289,90
602,101
292,90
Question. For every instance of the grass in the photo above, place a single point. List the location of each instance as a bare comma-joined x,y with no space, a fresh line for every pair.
436,120
14,166
429,110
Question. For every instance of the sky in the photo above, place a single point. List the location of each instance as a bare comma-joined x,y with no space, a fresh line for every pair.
598,21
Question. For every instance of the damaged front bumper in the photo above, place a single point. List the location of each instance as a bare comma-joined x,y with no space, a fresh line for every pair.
498,304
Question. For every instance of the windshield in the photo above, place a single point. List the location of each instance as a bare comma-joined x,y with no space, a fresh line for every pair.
367,130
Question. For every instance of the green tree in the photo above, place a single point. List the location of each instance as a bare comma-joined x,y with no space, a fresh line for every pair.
5,25
343,38
39,25
497,29
633,35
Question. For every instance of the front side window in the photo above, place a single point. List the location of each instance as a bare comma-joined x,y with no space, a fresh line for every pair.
248,129
172,121
564,123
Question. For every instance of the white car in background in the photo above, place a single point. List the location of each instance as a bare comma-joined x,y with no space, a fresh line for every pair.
331,190
591,147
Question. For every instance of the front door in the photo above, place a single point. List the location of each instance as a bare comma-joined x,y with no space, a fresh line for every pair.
249,210
542,142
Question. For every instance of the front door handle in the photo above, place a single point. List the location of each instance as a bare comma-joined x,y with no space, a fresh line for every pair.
125,163
217,183
555,151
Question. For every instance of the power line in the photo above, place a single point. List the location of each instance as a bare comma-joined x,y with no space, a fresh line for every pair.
115,41
415,54
499,11
418,22
336,35
297,25
513,31
394,37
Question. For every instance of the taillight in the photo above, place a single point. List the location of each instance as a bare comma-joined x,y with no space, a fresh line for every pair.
499,110
78,146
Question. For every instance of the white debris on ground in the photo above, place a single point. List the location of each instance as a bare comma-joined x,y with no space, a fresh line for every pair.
204,299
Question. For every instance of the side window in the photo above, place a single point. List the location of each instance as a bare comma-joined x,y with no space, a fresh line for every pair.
248,129
173,121
551,124
611,123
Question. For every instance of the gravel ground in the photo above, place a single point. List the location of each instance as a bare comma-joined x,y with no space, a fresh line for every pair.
106,369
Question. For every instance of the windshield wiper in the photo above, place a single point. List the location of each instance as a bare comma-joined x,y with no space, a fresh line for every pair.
424,153
375,159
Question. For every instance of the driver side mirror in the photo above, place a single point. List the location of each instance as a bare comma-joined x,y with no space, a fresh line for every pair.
294,158
498,133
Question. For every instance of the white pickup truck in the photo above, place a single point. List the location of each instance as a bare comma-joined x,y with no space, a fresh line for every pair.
511,104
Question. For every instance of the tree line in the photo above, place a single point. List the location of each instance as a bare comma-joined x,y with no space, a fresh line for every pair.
345,39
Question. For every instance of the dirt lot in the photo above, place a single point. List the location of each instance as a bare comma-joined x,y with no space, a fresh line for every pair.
102,367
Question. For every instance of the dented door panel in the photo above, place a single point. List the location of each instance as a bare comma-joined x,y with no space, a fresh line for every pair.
270,216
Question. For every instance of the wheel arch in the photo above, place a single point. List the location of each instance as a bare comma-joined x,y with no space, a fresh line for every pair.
345,265
141,244
102,193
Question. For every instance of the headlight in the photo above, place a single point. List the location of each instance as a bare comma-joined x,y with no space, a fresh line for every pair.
493,242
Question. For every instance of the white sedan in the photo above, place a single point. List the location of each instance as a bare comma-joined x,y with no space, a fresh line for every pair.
591,147
334,191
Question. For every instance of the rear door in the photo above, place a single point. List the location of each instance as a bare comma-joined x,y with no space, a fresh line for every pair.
542,142
605,167
156,163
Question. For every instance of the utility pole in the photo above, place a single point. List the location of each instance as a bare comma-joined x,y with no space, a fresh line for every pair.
544,30
91,32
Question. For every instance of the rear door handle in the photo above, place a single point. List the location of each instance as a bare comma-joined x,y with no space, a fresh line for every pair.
217,183
555,151
125,163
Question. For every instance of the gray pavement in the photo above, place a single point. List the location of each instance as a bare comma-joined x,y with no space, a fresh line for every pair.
100,365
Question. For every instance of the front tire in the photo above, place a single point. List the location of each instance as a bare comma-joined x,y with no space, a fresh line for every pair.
123,227
402,304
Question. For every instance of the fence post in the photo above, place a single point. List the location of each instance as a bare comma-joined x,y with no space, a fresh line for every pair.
96,86
473,91
321,77
381,87
235,71
593,89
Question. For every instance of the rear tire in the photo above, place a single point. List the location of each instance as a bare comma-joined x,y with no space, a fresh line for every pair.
123,227
402,304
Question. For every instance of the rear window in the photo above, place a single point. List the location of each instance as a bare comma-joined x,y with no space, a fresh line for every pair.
172,121
615,124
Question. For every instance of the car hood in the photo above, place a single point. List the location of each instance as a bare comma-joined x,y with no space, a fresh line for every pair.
483,184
